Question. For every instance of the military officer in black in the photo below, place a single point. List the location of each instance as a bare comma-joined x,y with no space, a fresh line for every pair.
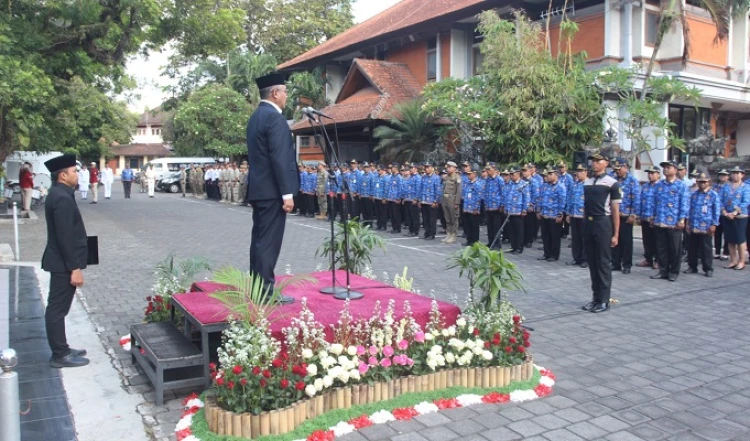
601,228
65,258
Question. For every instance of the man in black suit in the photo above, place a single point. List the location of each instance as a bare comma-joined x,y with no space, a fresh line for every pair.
64,258
272,180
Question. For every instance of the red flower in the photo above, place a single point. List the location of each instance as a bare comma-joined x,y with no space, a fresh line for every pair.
404,413
189,397
521,349
508,349
447,403
263,383
191,411
526,343
212,366
495,397
277,363
543,390
266,373
284,355
243,381
295,370
184,433
300,385
512,340
321,435
516,319
476,331
237,370
220,381
486,345
302,371
284,383
149,299
230,385
360,422
256,371
159,299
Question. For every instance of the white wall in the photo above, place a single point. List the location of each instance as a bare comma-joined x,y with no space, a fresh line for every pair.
738,47
148,138
743,138
336,75
460,56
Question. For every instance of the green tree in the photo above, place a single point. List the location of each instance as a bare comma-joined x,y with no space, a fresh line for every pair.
212,123
411,135
307,86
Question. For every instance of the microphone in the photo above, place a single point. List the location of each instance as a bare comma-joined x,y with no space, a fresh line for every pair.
315,112
310,115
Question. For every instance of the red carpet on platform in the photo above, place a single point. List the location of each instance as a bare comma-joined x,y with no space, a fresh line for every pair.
327,310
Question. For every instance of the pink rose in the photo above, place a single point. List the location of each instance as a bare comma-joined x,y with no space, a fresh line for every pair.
361,350
388,351
386,362
409,361
373,361
373,350
363,368
419,337
399,360
403,345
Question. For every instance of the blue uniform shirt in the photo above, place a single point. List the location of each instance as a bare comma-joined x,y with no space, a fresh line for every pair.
516,197
311,182
552,200
355,180
410,188
535,190
340,176
473,197
464,184
568,180
395,190
671,203
705,209
364,185
493,192
430,189
574,206
381,187
734,199
631,195
648,192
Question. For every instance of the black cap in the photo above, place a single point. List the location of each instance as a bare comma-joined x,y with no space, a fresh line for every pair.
653,169
427,164
598,157
668,164
737,169
680,166
723,171
702,177
581,167
60,162
273,79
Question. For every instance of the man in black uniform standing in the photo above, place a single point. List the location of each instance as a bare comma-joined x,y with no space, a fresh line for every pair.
601,228
65,258
272,178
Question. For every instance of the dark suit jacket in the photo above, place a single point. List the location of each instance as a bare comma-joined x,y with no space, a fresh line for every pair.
67,247
270,155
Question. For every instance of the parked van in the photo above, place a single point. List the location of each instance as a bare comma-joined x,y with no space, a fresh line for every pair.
165,166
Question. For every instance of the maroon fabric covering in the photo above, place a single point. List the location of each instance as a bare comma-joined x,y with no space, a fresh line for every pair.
326,309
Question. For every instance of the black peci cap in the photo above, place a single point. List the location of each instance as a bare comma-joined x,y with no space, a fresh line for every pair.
60,162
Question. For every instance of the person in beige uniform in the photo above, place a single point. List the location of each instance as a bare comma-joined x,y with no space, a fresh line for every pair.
451,200
243,184
235,184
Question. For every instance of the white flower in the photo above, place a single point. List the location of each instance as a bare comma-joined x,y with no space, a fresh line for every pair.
336,348
327,381
469,400
471,329
461,322
523,395
546,381
343,376
487,355
318,384
435,333
382,417
322,355
307,354
428,336
310,390
355,375
450,358
195,402
424,408
312,370
342,428
446,333
352,351
184,423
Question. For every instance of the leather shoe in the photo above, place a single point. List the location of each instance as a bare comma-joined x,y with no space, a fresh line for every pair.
589,306
573,263
584,264
514,252
691,271
710,273
601,307
672,277
69,360
552,259
542,258
78,352
429,238
616,268
626,270
658,276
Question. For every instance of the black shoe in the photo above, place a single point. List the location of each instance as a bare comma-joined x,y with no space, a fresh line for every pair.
626,270
672,277
463,236
658,276
552,259
527,245
542,258
616,268
69,360
691,271
396,232
589,306
78,352
601,307
95,202
710,273
573,263
514,252
429,238
584,264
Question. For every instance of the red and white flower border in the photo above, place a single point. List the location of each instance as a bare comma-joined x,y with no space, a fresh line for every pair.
192,404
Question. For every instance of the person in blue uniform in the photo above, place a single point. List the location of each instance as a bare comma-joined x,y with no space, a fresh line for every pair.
65,257
430,192
622,254
670,210
703,219
394,196
472,204
568,179
411,185
354,179
601,225
574,214
646,219
735,198
516,204
272,179
505,176
721,248
300,199
379,198
551,214
532,223
493,198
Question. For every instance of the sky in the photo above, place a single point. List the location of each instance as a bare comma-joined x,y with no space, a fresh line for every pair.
147,71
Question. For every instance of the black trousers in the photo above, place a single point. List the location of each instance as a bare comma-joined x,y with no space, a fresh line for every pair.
551,234
269,222
429,219
343,209
577,244
310,199
517,224
719,238
413,220
471,227
668,250
649,242
700,246
300,201
61,294
126,185
365,206
494,220
395,212
597,238
565,226
622,254
381,210
355,209
531,225
506,229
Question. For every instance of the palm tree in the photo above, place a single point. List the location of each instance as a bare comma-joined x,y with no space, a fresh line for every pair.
242,70
307,89
411,135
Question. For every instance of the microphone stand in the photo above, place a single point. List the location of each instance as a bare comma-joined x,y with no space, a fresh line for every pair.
331,156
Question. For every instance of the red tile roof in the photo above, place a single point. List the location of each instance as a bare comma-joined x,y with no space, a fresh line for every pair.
141,150
391,23
389,85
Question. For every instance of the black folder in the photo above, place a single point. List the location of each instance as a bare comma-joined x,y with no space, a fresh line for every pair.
93,245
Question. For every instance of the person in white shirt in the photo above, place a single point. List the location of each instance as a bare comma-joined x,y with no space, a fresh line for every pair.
150,180
83,182
108,177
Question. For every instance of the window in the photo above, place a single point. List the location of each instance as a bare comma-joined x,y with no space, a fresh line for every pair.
432,59
304,141
156,131
134,161
652,27
476,60
687,125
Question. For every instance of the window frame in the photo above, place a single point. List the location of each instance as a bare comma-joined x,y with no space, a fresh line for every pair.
645,27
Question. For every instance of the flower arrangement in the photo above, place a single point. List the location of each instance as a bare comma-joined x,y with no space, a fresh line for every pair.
172,277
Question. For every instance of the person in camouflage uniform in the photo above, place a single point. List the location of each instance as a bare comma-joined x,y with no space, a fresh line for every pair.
243,184
320,190
234,183
199,181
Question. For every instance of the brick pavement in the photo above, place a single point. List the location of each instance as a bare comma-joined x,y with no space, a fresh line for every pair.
670,361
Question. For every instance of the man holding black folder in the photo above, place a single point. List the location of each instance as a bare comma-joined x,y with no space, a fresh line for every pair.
65,257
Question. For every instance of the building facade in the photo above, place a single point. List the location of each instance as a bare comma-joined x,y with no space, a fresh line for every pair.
147,143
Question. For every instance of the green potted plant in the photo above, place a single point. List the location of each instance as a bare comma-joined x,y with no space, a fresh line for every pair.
362,240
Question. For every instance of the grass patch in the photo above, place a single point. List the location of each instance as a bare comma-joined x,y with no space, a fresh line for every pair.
329,419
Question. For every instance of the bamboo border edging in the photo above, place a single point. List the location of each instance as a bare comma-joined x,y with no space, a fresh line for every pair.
282,421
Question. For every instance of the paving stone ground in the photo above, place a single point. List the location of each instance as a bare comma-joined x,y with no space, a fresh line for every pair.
669,361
